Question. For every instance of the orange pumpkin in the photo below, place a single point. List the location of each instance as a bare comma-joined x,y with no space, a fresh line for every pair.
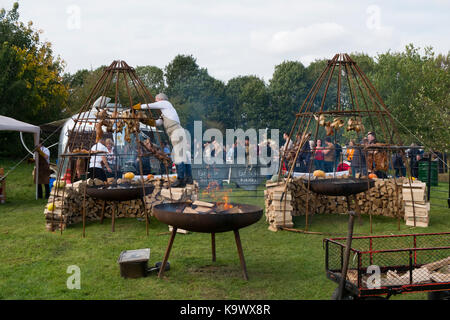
373,176
319,173
129,175
150,176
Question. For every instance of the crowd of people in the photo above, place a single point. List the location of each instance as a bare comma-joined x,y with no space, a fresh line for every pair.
329,156
325,155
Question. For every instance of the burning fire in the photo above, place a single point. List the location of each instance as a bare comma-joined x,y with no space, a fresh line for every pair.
226,205
211,192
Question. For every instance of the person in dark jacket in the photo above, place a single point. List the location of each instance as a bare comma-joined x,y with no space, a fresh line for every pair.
358,163
414,156
399,165
43,177
303,159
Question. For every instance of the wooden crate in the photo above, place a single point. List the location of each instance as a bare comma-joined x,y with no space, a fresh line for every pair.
420,221
276,195
418,195
420,210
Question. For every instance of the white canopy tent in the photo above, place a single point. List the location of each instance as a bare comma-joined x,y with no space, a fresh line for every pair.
10,124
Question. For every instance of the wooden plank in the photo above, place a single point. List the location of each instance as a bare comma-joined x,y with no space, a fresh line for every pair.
280,206
277,196
203,209
415,185
203,204
437,264
420,210
418,223
440,277
418,194
182,231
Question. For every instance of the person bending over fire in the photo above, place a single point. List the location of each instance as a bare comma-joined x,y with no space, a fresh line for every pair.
171,123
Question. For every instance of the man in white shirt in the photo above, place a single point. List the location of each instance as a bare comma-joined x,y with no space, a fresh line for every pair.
97,162
171,123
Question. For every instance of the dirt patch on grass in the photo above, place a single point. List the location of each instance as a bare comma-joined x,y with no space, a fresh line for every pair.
219,270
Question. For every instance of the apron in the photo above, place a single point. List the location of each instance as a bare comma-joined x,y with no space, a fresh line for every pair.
44,172
178,139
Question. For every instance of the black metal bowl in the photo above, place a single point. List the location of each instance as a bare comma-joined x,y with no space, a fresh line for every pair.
119,192
339,187
171,214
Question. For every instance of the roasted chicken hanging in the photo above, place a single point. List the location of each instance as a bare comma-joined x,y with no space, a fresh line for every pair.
329,128
129,120
320,119
377,160
355,125
98,131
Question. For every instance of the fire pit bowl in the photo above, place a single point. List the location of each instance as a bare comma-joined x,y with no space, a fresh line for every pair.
119,192
214,222
339,187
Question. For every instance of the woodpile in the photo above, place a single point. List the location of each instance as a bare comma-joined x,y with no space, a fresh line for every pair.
384,199
66,203
420,208
278,206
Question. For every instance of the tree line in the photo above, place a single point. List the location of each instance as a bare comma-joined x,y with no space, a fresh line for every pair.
414,84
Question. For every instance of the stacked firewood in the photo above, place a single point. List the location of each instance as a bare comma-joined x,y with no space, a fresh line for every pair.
416,206
65,205
438,271
279,207
384,199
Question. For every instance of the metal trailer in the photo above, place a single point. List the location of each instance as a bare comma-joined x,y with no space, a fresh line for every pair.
382,266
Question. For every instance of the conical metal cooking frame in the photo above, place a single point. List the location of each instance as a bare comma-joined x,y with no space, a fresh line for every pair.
355,97
116,72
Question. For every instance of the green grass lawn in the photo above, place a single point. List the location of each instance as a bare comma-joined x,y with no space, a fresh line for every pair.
281,265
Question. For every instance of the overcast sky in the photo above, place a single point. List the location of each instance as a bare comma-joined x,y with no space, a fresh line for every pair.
232,38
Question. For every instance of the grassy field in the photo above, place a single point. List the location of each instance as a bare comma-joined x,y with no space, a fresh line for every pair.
281,265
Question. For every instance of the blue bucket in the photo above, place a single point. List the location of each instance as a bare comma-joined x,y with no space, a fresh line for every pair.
51,183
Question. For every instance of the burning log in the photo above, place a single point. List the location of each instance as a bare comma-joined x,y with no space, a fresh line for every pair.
203,204
234,210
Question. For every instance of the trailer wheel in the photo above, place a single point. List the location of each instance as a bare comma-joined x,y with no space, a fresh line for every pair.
439,295
346,295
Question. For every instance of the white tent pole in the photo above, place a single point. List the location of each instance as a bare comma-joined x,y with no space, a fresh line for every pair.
23,143
36,157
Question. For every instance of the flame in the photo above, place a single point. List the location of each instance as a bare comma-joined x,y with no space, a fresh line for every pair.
226,205
225,199
211,192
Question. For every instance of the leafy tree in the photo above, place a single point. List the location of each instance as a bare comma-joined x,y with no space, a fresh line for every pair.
178,70
288,89
247,102
77,79
152,77
194,93
30,84
415,88
31,87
